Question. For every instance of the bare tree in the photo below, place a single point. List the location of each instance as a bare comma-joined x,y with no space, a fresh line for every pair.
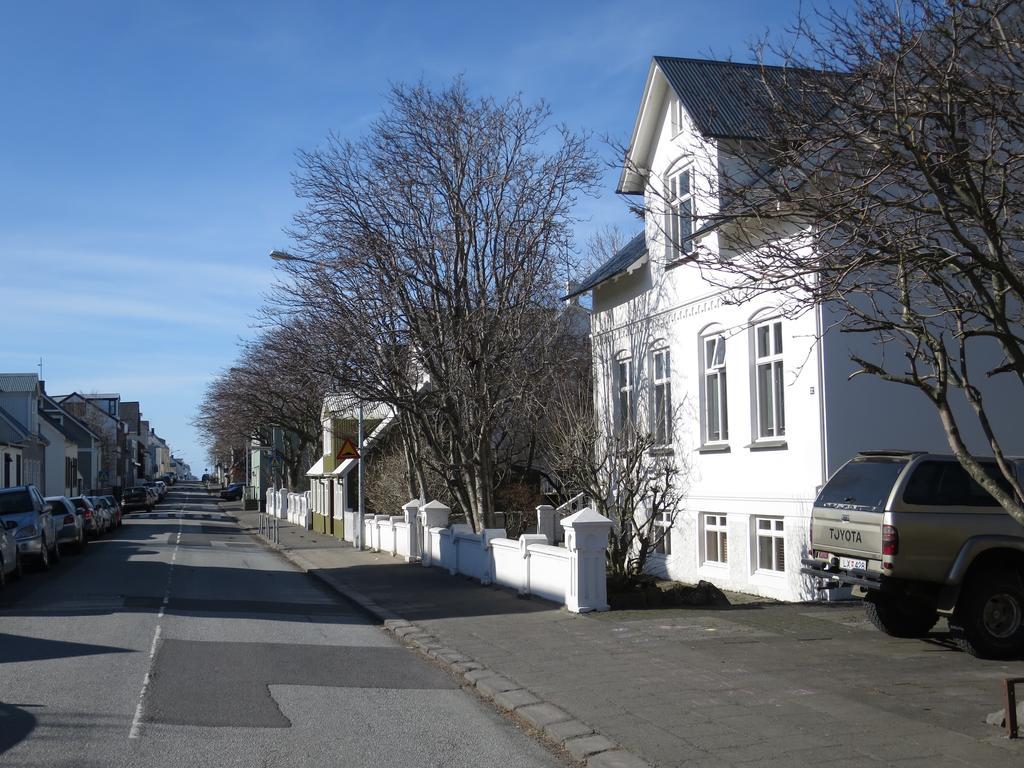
889,187
624,475
438,242
270,385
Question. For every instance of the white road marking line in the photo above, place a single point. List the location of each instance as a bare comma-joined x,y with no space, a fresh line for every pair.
136,728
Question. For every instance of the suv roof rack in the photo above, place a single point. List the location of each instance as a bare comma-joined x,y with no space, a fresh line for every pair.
890,452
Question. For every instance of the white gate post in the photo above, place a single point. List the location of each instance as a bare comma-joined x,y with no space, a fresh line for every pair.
433,514
586,538
546,522
410,513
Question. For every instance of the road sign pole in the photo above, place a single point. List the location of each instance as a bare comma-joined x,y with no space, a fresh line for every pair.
359,515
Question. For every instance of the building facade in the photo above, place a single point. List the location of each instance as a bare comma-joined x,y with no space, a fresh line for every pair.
757,407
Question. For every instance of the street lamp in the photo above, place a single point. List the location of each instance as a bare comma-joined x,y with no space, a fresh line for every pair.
277,255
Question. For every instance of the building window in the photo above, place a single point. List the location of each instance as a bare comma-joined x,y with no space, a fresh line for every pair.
624,402
661,533
676,116
771,407
771,544
661,386
679,224
716,408
716,539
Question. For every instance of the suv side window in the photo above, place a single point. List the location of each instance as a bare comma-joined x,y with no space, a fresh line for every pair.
946,483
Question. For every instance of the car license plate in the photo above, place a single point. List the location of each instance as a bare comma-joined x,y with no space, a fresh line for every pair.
852,563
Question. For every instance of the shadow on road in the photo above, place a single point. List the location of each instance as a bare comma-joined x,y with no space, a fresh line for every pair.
15,724
21,648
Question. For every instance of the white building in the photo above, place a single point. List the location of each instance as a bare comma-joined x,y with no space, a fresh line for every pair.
763,412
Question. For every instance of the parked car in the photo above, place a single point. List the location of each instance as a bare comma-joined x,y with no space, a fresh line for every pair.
233,492
105,511
10,558
916,537
163,487
115,505
157,490
69,522
91,519
134,499
24,511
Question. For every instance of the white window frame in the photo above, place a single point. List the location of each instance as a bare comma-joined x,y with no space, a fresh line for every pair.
675,111
625,415
713,364
774,530
679,216
717,524
661,396
769,392
663,548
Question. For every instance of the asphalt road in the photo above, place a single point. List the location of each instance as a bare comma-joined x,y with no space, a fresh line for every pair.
181,641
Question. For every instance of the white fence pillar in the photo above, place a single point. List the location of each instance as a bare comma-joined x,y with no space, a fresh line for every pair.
433,514
410,513
546,522
586,538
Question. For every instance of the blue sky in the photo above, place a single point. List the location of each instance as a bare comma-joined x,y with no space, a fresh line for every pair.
146,152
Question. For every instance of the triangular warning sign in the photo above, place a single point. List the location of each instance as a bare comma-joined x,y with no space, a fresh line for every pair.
348,450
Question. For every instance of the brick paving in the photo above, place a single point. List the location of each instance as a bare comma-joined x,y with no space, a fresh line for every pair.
755,684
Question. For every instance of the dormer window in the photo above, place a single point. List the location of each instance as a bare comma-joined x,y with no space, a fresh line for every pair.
679,224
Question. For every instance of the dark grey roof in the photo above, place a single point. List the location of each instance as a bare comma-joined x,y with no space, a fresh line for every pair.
629,253
12,431
727,99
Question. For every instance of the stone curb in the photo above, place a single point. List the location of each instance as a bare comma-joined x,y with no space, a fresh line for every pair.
581,741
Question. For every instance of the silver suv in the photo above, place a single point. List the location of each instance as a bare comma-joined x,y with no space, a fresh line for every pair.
916,537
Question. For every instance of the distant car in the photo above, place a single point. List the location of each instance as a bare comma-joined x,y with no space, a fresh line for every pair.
233,492
115,505
163,487
10,558
91,519
69,522
134,499
24,511
104,510
158,492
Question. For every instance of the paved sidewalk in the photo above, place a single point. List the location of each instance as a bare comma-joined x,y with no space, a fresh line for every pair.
754,684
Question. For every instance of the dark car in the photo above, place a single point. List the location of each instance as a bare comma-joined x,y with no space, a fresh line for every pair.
134,499
233,492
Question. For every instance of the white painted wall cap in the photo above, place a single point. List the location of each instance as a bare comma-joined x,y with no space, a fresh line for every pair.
586,515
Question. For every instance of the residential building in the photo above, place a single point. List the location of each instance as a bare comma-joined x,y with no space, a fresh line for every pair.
19,398
758,407
60,476
13,436
99,414
88,448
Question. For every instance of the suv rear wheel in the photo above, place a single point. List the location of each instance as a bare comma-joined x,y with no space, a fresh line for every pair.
900,616
990,615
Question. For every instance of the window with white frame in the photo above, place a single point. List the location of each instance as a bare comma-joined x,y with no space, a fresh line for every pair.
716,539
676,116
679,219
624,403
662,533
771,543
716,407
661,397
768,383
